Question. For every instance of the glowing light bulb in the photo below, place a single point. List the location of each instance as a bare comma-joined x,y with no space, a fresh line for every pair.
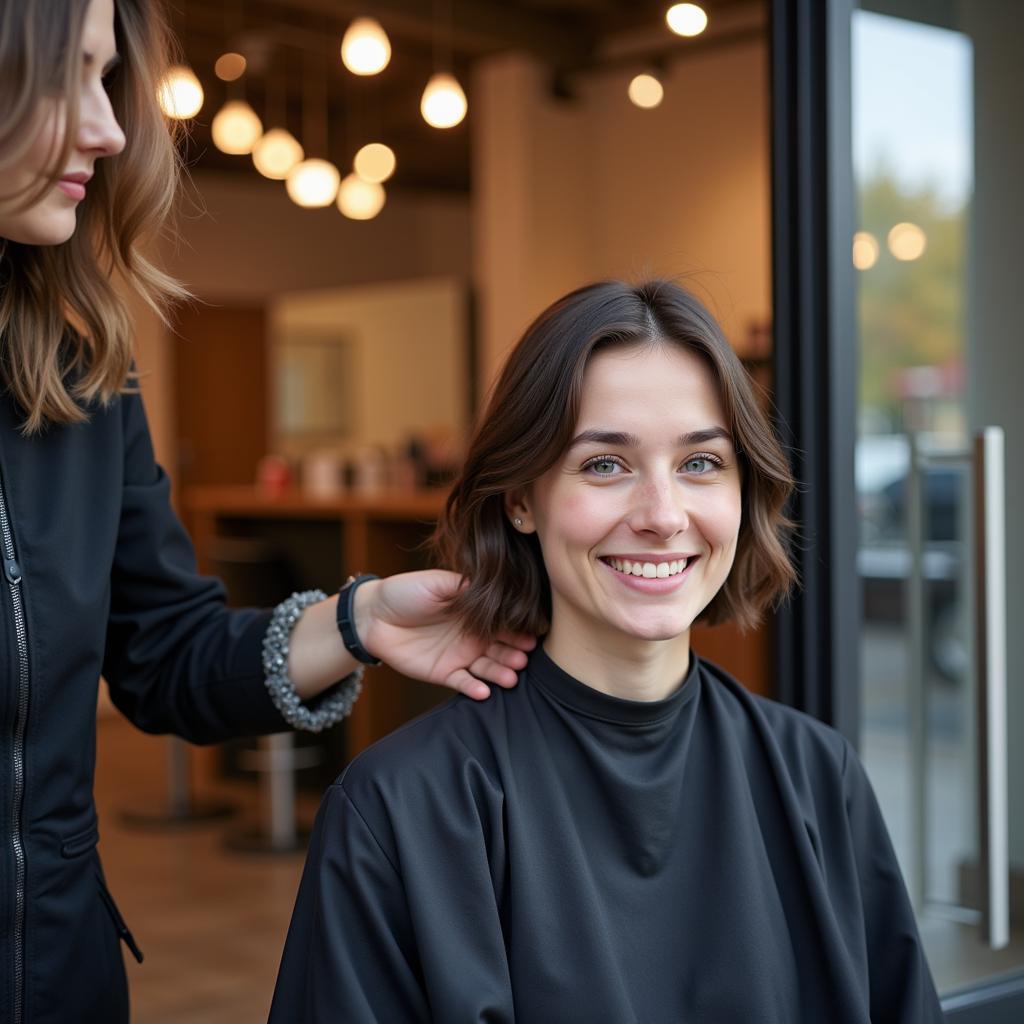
236,128
179,93
365,48
313,183
276,154
646,91
906,241
444,103
865,250
230,66
686,19
374,162
359,199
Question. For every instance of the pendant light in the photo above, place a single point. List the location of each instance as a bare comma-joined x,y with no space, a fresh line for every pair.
313,182
236,128
443,104
686,19
375,162
180,93
646,91
359,199
278,151
365,47
906,241
230,66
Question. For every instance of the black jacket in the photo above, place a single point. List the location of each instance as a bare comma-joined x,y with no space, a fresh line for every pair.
100,578
556,855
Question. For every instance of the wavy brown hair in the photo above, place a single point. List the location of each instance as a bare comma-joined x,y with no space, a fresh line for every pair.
530,420
65,334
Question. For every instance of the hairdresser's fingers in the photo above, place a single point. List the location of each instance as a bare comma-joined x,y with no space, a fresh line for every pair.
493,671
523,641
462,681
511,658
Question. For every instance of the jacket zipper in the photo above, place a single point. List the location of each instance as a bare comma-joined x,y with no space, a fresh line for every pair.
12,572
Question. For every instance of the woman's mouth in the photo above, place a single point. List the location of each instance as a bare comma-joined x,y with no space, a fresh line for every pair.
72,189
651,577
649,570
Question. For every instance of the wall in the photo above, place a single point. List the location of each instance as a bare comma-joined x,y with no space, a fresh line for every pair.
153,357
409,346
568,191
241,240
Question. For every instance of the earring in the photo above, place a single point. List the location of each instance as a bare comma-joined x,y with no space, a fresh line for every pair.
517,522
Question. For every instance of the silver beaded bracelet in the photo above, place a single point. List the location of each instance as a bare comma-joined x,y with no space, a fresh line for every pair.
327,709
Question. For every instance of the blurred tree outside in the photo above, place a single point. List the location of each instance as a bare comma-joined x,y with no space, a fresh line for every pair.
911,312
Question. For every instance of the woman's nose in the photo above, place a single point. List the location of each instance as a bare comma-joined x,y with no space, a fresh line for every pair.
98,131
660,509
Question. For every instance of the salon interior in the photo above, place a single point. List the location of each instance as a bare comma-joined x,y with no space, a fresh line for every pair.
380,196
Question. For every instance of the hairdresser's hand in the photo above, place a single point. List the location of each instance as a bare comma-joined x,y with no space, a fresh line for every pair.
402,620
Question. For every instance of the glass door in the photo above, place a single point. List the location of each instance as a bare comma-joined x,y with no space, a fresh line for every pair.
938,152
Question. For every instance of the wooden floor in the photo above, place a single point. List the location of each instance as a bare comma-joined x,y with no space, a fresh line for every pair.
211,923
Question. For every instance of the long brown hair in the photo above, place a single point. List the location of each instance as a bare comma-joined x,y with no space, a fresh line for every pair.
529,422
65,334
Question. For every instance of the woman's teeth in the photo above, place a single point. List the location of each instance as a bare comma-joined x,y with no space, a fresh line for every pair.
649,570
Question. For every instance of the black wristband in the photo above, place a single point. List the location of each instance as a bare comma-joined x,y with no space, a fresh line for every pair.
346,619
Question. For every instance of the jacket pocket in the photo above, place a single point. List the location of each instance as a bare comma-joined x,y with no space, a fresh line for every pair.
122,929
81,842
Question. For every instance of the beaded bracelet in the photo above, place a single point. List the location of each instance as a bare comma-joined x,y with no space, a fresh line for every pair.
327,709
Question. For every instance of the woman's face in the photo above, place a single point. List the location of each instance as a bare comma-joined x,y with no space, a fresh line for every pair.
51,219
639,519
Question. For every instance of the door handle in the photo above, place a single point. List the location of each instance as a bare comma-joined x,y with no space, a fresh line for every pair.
990,654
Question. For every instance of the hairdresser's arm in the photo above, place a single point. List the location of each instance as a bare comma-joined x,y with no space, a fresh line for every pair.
403,621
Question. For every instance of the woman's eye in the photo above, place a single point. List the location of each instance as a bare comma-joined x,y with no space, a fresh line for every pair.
602,467
700,464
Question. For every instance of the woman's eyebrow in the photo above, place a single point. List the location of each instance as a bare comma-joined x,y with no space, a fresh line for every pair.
621,439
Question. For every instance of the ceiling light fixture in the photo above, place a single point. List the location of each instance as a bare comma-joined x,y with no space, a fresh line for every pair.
359,199
906,241
180,93
374,162
865,250
646,91
277,152
686,19
230,66
443,104
365,47
313,183
236,128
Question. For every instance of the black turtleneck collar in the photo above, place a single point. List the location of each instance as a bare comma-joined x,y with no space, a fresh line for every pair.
585,700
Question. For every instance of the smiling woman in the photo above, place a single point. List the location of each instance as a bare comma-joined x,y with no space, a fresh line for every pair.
629,835
541,404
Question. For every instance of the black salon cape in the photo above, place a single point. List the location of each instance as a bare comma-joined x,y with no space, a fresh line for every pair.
555,854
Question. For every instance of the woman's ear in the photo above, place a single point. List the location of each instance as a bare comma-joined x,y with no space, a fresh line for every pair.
517,508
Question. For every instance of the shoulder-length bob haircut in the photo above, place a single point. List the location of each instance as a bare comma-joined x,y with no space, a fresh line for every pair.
65,333
529,423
